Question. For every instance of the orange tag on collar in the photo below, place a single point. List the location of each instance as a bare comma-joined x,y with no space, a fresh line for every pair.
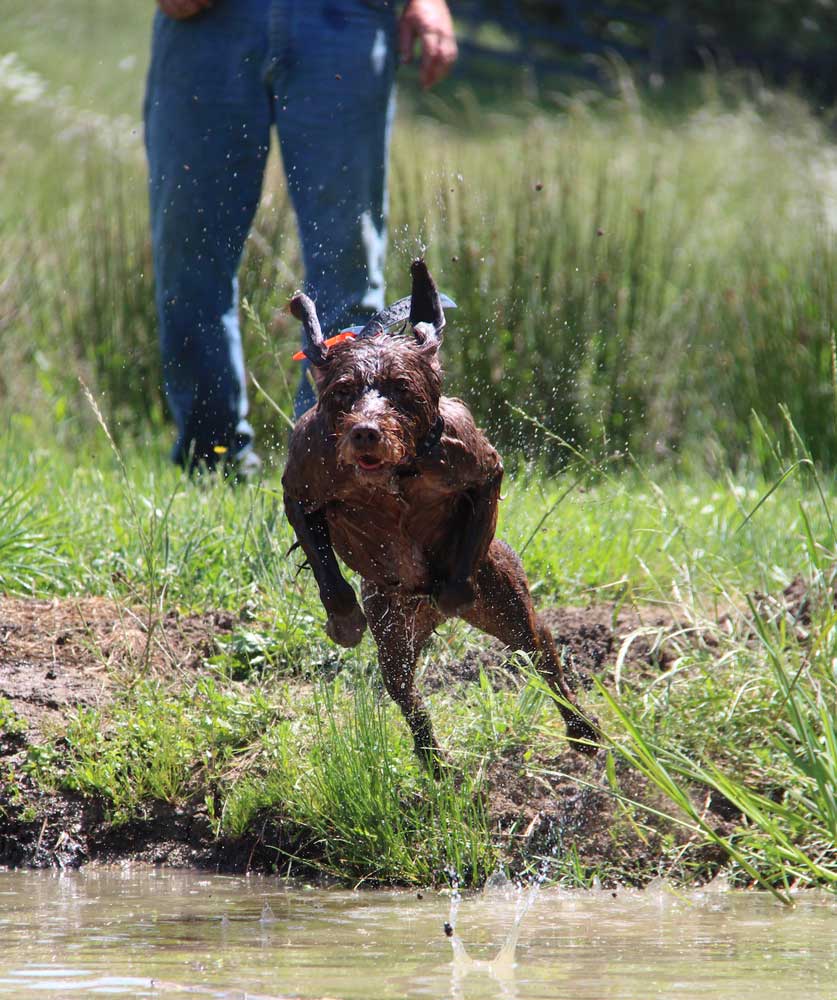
338,338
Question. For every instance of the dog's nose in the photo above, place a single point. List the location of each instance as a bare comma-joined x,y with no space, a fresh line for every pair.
364,436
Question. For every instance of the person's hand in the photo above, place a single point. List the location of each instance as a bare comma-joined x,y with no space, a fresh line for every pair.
429,23
181,9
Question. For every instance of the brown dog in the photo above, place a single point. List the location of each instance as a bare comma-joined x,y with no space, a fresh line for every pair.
400,483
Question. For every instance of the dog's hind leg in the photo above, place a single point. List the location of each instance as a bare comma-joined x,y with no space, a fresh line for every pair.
504,609
401,626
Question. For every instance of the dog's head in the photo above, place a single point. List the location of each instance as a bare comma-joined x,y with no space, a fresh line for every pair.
379,395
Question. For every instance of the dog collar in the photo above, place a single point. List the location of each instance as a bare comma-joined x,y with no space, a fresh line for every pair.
338,338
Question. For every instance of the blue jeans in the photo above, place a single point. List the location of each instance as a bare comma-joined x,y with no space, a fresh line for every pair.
322,72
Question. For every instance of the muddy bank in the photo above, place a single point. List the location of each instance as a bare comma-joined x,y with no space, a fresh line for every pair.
59,656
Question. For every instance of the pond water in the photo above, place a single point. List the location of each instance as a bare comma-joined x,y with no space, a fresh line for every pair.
152,933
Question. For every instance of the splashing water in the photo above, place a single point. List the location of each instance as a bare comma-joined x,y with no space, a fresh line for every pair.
502,965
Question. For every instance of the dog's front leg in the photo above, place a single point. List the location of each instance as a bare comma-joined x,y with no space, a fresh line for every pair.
346,623
478,522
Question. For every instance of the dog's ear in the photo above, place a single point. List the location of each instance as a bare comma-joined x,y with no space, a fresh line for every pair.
427,316
427,337
313,347
425,305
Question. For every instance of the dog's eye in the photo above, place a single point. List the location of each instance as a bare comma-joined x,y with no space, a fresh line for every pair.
342,398
397,390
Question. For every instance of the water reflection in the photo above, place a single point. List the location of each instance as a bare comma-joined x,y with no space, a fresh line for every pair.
157,934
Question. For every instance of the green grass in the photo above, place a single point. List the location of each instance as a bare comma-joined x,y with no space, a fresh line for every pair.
777,744
27,557
333,763
10,722
280,727
139,528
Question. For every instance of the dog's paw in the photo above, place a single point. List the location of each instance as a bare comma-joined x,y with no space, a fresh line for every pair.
338,598
346,630
455,596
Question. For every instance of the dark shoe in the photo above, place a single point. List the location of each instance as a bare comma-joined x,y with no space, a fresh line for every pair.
245,468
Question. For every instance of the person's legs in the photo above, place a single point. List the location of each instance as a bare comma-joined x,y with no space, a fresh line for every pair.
334,90
207,121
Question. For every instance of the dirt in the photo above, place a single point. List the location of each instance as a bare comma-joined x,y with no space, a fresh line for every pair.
590,638
61,655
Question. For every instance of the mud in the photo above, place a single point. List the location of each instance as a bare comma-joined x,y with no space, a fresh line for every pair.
590,640
57,656
61,654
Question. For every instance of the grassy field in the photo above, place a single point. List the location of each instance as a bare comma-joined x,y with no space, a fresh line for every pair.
645,325
279,723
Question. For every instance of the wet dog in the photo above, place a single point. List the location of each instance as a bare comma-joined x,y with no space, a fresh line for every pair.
399,482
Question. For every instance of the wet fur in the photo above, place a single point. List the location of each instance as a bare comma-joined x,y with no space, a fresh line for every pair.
418,529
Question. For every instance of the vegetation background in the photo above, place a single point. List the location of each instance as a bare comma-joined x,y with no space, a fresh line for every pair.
645,326
641,277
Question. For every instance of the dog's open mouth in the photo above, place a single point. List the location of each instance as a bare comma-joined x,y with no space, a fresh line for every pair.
369,463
